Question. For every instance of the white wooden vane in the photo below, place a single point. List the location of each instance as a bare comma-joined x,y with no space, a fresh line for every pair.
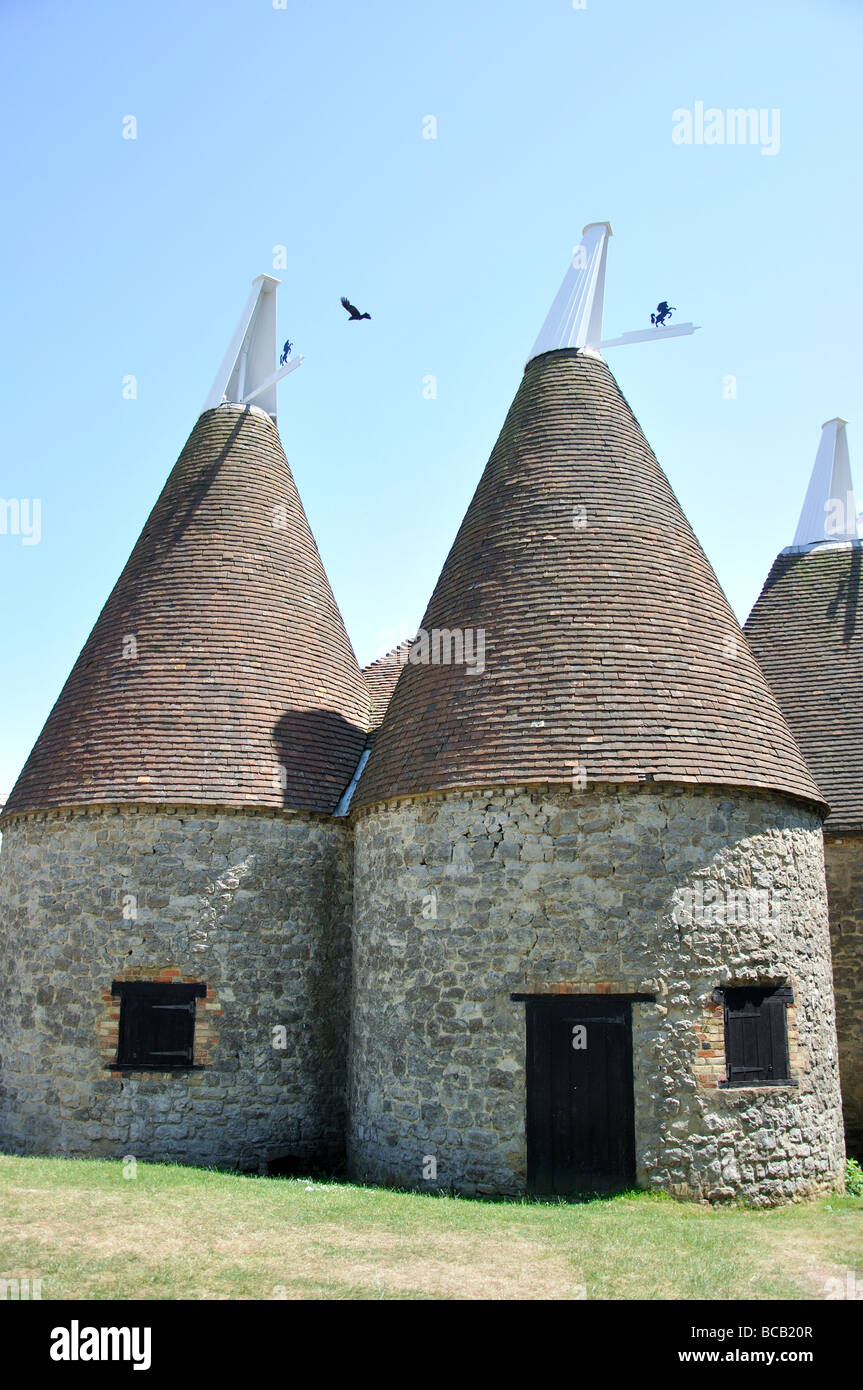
575,317
249,371
829,515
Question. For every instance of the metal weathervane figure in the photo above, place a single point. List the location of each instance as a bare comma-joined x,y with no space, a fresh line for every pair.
575,317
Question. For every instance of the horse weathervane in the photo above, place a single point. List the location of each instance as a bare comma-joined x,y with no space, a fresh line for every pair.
575,317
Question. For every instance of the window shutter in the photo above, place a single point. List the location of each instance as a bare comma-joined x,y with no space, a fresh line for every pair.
756,1035
133,1014
777,1023
157,1024
172,1031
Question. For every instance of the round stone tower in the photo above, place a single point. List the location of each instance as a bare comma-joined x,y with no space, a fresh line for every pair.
590,927
805,630
174,888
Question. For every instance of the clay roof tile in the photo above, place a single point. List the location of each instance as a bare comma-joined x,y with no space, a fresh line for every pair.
219,670
609,646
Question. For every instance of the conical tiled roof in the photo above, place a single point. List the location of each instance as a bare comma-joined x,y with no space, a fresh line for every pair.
806,630
219,670
381,677
609,645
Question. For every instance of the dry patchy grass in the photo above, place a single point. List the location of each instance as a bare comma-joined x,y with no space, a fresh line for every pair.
185,1233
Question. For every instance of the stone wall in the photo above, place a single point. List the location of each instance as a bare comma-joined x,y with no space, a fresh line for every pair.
843,859
257,907
462,899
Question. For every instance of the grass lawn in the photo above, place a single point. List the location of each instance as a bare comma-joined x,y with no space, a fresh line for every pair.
188,1233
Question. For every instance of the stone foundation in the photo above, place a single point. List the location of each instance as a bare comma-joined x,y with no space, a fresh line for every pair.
463,899
843,858
257,907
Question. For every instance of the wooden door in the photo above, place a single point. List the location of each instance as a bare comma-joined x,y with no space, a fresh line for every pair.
580,1117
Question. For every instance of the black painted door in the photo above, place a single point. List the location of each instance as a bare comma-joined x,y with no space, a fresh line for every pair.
580,1119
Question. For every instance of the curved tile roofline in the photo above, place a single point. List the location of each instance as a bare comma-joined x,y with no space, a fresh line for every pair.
806,629
608,644
219,670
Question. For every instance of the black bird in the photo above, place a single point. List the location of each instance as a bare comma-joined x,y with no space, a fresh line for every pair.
286,352
353,310
663,312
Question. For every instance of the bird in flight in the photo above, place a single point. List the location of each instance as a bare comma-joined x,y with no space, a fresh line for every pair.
663,312
286,352
353,310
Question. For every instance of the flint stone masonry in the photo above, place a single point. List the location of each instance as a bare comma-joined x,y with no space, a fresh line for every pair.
843,858
256,906
463,898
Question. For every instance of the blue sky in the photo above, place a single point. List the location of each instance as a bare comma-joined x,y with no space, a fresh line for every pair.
302,126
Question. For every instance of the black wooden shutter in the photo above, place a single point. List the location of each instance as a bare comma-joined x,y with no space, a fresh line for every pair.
157,1024
133,1029
756,1035
172,1032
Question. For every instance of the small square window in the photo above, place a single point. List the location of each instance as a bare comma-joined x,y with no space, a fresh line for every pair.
756,1035
157,1025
